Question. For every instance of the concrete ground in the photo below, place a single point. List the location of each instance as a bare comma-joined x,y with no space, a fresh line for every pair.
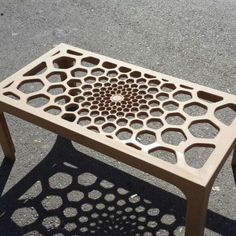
192,40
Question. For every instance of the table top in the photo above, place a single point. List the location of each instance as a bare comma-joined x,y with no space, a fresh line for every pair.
155,119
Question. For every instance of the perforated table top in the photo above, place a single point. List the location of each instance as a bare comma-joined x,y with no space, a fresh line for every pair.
171,124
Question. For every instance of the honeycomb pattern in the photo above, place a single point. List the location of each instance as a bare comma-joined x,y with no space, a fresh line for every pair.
145,111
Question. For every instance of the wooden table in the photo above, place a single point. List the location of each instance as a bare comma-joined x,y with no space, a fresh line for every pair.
178,131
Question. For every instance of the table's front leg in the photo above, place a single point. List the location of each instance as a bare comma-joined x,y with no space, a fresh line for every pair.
197,202
5,139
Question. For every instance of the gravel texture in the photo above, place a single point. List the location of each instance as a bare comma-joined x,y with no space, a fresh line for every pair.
55,188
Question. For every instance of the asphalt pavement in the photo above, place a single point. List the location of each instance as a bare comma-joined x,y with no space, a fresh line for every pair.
191,40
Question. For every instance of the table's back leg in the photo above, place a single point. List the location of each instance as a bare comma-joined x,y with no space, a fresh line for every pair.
234,158
197,202
5,139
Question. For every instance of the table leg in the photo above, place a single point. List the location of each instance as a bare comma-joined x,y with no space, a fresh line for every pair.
197,202
5,139
234,158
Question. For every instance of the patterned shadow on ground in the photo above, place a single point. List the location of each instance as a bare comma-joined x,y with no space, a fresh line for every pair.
69,193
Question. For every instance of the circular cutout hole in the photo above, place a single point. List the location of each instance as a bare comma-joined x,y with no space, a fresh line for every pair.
203,129
175,119
69,117
30,86
164,154
156,112
84,121
173,136
170,106
89,61
64,62
168,87
71,107
197,154
90,80
154,123
124,134
142,115
99,120
182,96
162,96
56,89
97,72
79,72
122,122
136,124
146,137
38,100
54,110
108,128
195,109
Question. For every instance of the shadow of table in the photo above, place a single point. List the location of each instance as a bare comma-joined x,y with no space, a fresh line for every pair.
71,193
